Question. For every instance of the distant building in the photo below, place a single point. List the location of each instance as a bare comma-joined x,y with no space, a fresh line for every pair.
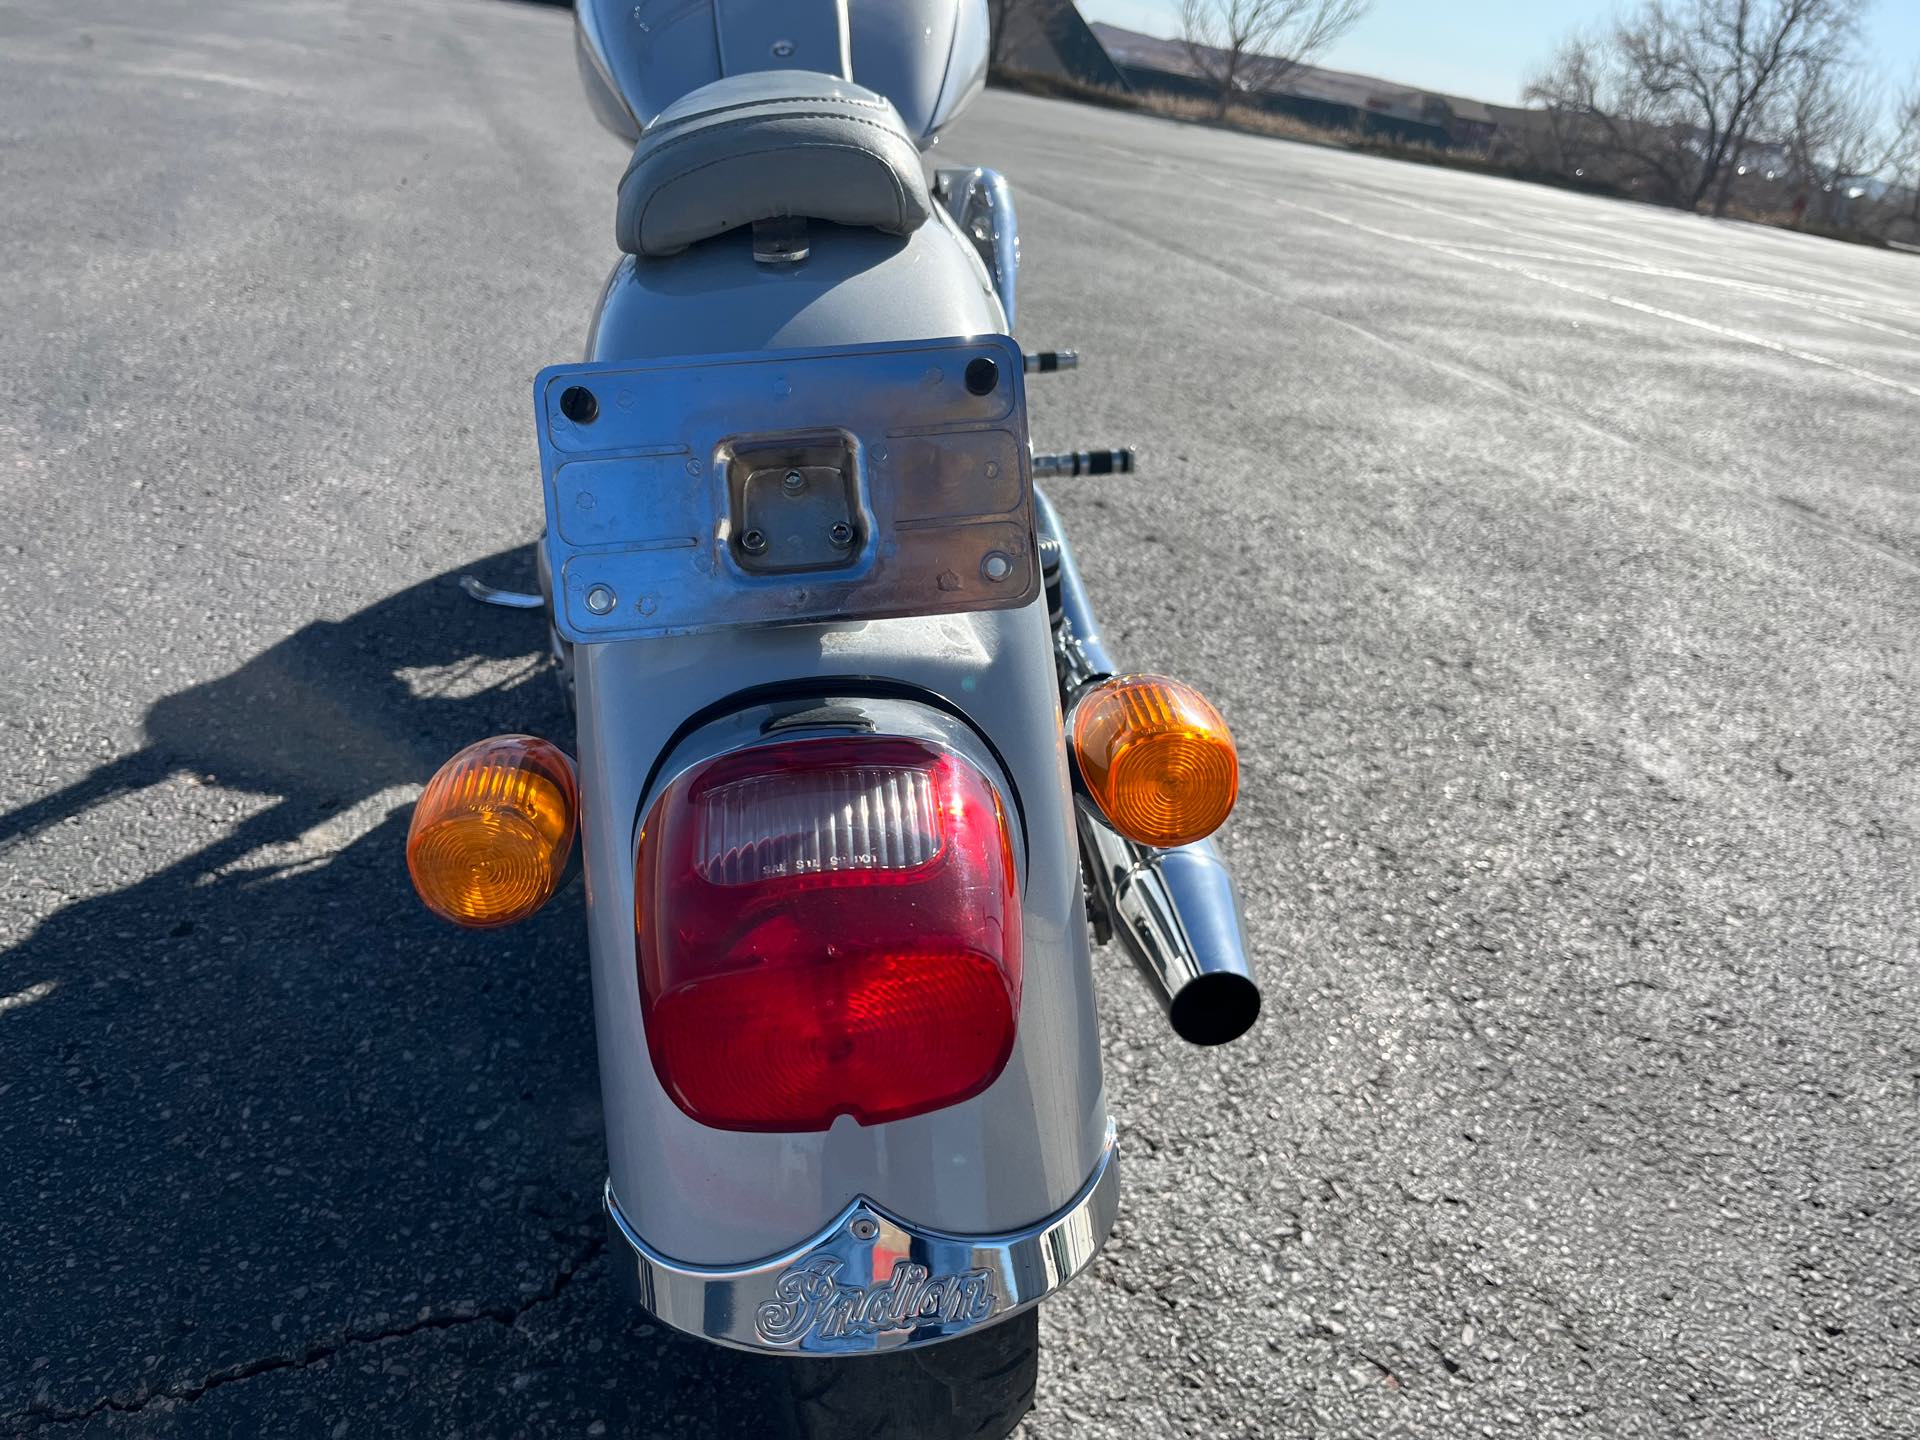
1333,99
1049,37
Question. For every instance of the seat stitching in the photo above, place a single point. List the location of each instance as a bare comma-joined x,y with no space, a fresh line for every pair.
666,145
899,191
669,143
677,130
679,120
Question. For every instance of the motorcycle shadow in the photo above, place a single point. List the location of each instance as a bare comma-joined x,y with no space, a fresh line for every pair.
260,1113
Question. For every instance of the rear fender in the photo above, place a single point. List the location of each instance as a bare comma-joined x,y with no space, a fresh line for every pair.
1015,1154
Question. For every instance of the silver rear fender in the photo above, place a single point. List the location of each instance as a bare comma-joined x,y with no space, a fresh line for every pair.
1004,1160
1017,1182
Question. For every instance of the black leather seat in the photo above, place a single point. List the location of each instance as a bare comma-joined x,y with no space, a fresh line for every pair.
764,146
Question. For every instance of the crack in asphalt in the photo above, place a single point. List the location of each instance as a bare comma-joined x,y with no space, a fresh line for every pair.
41,1414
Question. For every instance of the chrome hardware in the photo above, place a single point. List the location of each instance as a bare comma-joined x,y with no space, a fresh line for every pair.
1045,362
869,1280
794,503
1174,911
1083,462
981,203
505,599
781,242
1177,917
1080,652
925,474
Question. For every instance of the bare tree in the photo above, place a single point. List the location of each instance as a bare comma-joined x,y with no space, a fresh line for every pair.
1695,82
1244,46
1602,124
1834,135
1011,25
1903,154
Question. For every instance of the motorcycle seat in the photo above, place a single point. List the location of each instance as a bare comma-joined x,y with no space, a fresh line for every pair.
768,145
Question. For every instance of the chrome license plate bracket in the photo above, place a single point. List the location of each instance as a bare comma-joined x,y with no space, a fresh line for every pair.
780,487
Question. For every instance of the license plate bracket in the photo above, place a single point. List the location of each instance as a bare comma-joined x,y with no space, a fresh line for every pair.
673,505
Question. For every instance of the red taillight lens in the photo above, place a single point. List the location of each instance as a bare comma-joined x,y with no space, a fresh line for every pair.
827,927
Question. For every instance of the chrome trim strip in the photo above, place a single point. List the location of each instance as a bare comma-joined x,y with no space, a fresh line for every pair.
870,1281
474,589
1175,911
981,203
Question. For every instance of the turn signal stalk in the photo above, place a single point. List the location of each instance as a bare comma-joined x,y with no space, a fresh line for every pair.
1155,759
492,833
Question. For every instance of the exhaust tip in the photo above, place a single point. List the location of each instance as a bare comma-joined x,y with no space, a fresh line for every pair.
1215,1008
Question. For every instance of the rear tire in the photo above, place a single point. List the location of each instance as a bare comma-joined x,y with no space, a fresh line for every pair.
976,1387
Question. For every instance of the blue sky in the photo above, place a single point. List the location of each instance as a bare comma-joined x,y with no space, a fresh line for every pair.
1483,49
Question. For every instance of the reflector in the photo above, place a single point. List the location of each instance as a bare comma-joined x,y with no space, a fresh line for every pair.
1155,758
492,832
827,926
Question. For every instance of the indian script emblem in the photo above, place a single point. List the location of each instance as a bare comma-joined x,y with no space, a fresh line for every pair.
808,1302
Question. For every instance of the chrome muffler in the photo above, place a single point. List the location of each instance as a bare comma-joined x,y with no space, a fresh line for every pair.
1174,911
1176,915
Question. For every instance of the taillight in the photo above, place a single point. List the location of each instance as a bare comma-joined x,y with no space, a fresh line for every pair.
827,927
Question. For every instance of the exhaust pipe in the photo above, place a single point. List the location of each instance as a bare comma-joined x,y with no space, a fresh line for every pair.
1176,915
1174,911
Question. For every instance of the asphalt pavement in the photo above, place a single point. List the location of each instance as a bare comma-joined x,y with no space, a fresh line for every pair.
1556,561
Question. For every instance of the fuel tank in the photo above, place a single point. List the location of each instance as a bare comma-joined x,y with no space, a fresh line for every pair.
929,57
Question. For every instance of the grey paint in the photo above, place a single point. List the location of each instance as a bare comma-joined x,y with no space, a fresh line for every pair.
858,285
1013,1154
927,56
1024,1147
782,35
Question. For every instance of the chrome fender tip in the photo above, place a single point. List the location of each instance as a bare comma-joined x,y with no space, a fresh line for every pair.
871,1281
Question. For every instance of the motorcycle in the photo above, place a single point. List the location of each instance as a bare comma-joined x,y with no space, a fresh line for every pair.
856,780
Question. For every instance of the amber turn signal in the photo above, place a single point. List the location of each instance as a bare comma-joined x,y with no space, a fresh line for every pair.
1155,758
492,832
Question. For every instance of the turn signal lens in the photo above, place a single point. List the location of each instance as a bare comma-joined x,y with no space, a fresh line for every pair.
491,835
1156,758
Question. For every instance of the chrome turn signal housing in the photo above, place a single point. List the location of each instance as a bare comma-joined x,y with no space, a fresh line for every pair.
492,833
1155,758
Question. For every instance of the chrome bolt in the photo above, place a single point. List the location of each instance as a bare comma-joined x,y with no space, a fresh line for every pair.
864,1228
793,482
753,542
996,566
841,535
600,600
